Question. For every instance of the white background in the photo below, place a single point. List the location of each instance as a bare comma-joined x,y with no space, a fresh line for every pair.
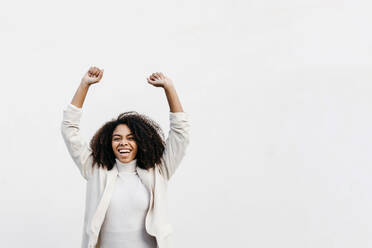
279,99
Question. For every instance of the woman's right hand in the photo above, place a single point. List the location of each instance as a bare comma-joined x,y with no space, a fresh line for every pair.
93,75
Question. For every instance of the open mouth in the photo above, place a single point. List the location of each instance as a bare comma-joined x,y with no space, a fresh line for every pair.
124,151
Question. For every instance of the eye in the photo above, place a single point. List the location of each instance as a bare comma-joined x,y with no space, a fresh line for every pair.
116,138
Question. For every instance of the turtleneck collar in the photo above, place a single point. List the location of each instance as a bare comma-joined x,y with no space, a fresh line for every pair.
126,168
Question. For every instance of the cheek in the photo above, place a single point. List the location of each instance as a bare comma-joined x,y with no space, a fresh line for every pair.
134,145
113,145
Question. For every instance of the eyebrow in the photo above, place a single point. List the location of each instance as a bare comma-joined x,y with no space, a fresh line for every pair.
120,135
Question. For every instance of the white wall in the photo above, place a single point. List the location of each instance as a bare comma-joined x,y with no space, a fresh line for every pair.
279,98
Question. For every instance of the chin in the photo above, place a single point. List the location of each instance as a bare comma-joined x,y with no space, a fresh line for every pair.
125,160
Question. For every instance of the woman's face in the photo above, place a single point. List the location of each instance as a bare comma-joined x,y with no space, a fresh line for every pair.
124,144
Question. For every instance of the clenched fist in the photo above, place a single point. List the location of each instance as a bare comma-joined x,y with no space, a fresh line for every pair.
159,80
93,75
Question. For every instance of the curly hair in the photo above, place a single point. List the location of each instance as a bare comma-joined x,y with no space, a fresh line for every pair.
147,134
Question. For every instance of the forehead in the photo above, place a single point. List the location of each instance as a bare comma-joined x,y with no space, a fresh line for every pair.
122,129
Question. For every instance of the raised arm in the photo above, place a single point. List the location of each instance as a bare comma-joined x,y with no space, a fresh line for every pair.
93,75
159,80
70,127
178,137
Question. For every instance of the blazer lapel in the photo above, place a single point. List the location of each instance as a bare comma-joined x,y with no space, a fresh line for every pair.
146,178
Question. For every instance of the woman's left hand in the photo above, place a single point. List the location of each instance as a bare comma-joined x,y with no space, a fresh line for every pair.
158,79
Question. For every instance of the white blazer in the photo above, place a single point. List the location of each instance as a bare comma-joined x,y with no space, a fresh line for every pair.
100,181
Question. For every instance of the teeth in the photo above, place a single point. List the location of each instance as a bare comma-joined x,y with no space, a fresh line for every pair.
124,151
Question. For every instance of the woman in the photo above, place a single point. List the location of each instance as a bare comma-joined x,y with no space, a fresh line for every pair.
127,166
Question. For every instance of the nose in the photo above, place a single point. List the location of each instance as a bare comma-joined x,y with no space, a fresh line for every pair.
123,142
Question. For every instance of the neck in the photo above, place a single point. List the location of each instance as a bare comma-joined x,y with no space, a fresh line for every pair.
128,167
134,161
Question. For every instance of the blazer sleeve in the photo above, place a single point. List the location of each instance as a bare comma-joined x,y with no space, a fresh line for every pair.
78,149
176,143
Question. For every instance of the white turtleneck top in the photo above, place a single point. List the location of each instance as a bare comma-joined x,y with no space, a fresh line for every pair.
124,224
